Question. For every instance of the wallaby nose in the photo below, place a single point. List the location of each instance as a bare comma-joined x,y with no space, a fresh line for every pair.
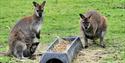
85,27
40,15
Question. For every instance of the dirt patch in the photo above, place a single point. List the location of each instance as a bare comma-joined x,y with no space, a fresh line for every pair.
90,55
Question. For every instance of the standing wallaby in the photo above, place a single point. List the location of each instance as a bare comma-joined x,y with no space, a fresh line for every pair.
25,32
92,26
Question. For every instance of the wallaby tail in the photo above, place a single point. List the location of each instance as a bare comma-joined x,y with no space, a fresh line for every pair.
4,53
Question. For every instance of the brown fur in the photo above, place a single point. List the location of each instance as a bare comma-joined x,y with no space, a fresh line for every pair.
97,27
26,30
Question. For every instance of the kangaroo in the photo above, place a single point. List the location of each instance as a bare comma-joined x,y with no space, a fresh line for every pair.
25,32
92,26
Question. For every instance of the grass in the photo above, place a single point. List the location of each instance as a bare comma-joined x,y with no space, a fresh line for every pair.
62,19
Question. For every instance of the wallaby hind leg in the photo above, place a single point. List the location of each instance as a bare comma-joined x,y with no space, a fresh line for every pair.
18,50
94,41
86,43
102,44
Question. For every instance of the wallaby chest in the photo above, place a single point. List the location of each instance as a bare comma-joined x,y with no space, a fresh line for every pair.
37,26
90,35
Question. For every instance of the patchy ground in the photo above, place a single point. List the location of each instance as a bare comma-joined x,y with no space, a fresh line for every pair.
96,54
90,55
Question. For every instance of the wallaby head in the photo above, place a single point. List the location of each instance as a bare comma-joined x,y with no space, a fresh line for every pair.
85,21
39,8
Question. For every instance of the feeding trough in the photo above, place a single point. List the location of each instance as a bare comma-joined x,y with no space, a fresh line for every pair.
62,52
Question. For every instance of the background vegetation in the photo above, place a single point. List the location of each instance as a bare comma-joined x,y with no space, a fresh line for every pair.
62,19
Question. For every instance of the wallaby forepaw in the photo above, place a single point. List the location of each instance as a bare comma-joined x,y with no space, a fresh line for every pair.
32,57
86,46
103,46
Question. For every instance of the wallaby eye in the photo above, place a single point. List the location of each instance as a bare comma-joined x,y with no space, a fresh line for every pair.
37,10
86,23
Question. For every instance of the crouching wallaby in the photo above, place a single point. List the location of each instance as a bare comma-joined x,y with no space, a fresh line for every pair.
22,50
92,26
23,38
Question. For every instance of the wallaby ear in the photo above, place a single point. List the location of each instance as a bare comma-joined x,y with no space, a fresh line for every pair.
82,16
35,3
43,4
89,16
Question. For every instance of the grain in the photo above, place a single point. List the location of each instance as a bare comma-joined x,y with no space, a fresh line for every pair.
61,46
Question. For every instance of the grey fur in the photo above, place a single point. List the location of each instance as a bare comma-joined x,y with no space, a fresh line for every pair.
96,29
25,35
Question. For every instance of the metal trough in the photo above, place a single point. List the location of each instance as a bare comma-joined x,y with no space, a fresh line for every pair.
62,57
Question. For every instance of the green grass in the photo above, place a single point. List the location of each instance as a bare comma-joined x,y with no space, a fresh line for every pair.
62,19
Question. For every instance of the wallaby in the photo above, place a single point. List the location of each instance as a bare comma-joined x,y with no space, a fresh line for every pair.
92,26
25,32
30,50
24,50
